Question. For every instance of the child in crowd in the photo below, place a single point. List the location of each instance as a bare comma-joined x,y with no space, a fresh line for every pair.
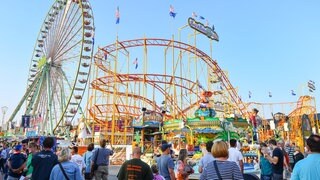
155,171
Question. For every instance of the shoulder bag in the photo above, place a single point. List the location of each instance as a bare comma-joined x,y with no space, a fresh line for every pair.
95,165
64,173
217,170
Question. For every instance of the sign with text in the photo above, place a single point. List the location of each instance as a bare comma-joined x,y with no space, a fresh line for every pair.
206,30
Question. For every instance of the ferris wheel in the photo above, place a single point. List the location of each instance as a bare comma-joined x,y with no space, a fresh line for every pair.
60,65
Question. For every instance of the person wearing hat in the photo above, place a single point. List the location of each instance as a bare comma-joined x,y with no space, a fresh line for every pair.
135,168
16,163
165,163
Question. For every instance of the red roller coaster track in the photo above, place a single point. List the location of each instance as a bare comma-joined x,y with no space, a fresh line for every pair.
124,45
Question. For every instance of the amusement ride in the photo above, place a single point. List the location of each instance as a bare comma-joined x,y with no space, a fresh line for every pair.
143,91
59,68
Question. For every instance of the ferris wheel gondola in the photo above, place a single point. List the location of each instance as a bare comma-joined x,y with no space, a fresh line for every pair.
60,65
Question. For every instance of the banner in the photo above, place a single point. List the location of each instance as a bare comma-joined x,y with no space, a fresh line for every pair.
25,123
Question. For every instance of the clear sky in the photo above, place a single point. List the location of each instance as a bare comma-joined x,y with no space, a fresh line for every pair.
264,45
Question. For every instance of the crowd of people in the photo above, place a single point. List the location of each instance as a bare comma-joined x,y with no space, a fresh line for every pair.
30,161
221,160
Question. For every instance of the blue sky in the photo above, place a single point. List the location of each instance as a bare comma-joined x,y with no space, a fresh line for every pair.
264,45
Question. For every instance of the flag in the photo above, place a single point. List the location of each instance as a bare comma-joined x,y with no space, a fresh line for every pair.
311,86
293,93
25,121
117,15
171,12
270,95
194,15
199,85
105,55
136,63
201,17
250,94
207,23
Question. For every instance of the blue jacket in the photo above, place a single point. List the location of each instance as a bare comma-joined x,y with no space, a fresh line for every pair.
72,170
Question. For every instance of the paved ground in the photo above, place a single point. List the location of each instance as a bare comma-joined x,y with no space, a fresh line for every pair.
113,171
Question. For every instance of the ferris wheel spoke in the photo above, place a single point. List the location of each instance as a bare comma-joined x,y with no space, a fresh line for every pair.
67,30
67,50
66,39
55,24
65,22
68,58
52,38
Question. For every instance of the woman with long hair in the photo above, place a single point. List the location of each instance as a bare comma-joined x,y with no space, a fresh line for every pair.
265,165
184,170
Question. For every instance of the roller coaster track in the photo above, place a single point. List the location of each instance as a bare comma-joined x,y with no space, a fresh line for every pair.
124,45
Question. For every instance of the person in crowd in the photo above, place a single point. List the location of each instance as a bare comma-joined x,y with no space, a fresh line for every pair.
16,163
184,170
100,157
276,160
135,168
165,163
290,151
33,149
309,168
4,156
87,159
297,155
44,161
155,171
265,165
206,158
25,148
286,164
203,148
235,155
65,169
221,168
76,158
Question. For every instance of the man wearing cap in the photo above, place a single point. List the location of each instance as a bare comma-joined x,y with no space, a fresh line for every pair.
16,163
135,168
165,163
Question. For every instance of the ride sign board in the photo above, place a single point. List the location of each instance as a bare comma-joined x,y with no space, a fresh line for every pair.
206,30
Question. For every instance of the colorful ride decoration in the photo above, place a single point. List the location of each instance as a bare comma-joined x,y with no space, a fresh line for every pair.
294,125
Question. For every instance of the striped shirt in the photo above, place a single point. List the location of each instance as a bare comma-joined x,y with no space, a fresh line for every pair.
290,151
227,169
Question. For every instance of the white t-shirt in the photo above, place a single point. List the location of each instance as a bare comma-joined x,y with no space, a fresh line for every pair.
235,155
79,160
83,130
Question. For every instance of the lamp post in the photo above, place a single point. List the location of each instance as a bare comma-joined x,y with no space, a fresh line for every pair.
4,109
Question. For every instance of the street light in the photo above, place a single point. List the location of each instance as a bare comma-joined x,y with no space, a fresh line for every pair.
4,109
